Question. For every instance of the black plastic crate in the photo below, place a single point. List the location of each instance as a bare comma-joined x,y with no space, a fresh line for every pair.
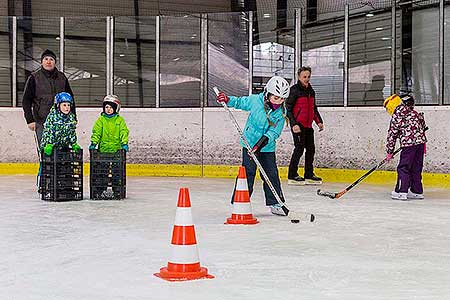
107,175
61,176
64,169
64,155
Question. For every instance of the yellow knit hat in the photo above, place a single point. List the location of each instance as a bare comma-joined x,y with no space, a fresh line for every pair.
391,103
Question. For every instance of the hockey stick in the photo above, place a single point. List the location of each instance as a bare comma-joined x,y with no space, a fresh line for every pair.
287,211
36,142
341,193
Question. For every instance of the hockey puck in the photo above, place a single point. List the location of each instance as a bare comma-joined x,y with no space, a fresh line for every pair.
295,221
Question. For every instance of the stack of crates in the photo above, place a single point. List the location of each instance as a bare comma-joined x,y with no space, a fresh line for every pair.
61,176
108,175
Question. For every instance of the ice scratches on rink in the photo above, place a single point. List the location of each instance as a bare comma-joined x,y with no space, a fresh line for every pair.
363,246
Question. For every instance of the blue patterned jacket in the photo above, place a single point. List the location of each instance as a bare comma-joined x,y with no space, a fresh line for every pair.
59,129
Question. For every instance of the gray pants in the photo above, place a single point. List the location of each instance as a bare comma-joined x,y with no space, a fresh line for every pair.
39,130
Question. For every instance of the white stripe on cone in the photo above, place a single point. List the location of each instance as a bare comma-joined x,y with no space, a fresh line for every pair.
242,208
183,216
241,184
184,254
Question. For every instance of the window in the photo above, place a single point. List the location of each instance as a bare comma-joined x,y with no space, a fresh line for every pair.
85,59
135,61
180,61
34,35
273,47
323,51
5,63
420,52
447,55
227,55
369,59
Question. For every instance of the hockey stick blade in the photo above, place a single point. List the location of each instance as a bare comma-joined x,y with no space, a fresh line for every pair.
327,194
297,217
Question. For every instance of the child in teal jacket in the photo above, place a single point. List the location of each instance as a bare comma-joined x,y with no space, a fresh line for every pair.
110,132
264,125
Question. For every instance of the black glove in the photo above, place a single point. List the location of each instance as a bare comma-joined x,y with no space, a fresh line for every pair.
260,144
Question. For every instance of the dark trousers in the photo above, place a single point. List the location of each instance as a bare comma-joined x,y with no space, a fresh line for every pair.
303,140
39,131
409,170
269,164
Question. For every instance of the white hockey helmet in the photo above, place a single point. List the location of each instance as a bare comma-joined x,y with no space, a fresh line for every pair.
112,100
277,86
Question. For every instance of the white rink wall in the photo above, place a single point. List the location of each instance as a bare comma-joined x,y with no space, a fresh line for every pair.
353,138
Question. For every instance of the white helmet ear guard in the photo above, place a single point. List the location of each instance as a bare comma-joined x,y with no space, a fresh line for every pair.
277,86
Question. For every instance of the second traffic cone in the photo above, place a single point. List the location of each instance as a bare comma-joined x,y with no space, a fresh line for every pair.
242,208
183,263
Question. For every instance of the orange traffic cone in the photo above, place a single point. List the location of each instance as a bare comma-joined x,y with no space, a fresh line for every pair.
183,263
242,208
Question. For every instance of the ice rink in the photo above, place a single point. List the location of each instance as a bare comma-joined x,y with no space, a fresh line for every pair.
363,246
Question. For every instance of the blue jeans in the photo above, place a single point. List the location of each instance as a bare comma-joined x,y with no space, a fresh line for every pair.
269,164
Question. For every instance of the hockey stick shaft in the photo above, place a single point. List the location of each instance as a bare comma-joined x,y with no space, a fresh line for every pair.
381,163
36,142
255,159
341,193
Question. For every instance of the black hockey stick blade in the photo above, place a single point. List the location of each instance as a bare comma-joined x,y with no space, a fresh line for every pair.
296,218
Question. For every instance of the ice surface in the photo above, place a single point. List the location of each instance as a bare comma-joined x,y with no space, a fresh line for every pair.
363,246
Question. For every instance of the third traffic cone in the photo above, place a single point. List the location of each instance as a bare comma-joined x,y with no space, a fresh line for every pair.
183,263
242,208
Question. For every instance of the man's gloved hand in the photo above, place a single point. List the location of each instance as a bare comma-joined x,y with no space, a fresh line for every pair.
48,149
92,146
125,147
76,147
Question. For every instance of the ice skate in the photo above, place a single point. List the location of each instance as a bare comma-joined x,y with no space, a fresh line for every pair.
297,180
277,209
414,196
313,180
399,196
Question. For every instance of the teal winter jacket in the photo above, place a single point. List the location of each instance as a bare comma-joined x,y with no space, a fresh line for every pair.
257,123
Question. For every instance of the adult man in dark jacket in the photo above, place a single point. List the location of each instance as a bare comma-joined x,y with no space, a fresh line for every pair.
40,90
302,111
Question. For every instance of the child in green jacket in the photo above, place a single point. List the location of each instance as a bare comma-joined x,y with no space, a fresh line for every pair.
110,133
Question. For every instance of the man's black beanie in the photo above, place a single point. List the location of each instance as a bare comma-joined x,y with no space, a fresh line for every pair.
48,52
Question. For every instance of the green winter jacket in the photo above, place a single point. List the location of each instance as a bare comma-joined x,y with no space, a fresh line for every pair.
110,133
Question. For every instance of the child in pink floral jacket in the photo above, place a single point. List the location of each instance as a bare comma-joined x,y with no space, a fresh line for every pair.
409,127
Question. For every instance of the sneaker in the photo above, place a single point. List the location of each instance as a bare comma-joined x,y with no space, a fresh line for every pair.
399,196
297,180
313,179
412,195
277,209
